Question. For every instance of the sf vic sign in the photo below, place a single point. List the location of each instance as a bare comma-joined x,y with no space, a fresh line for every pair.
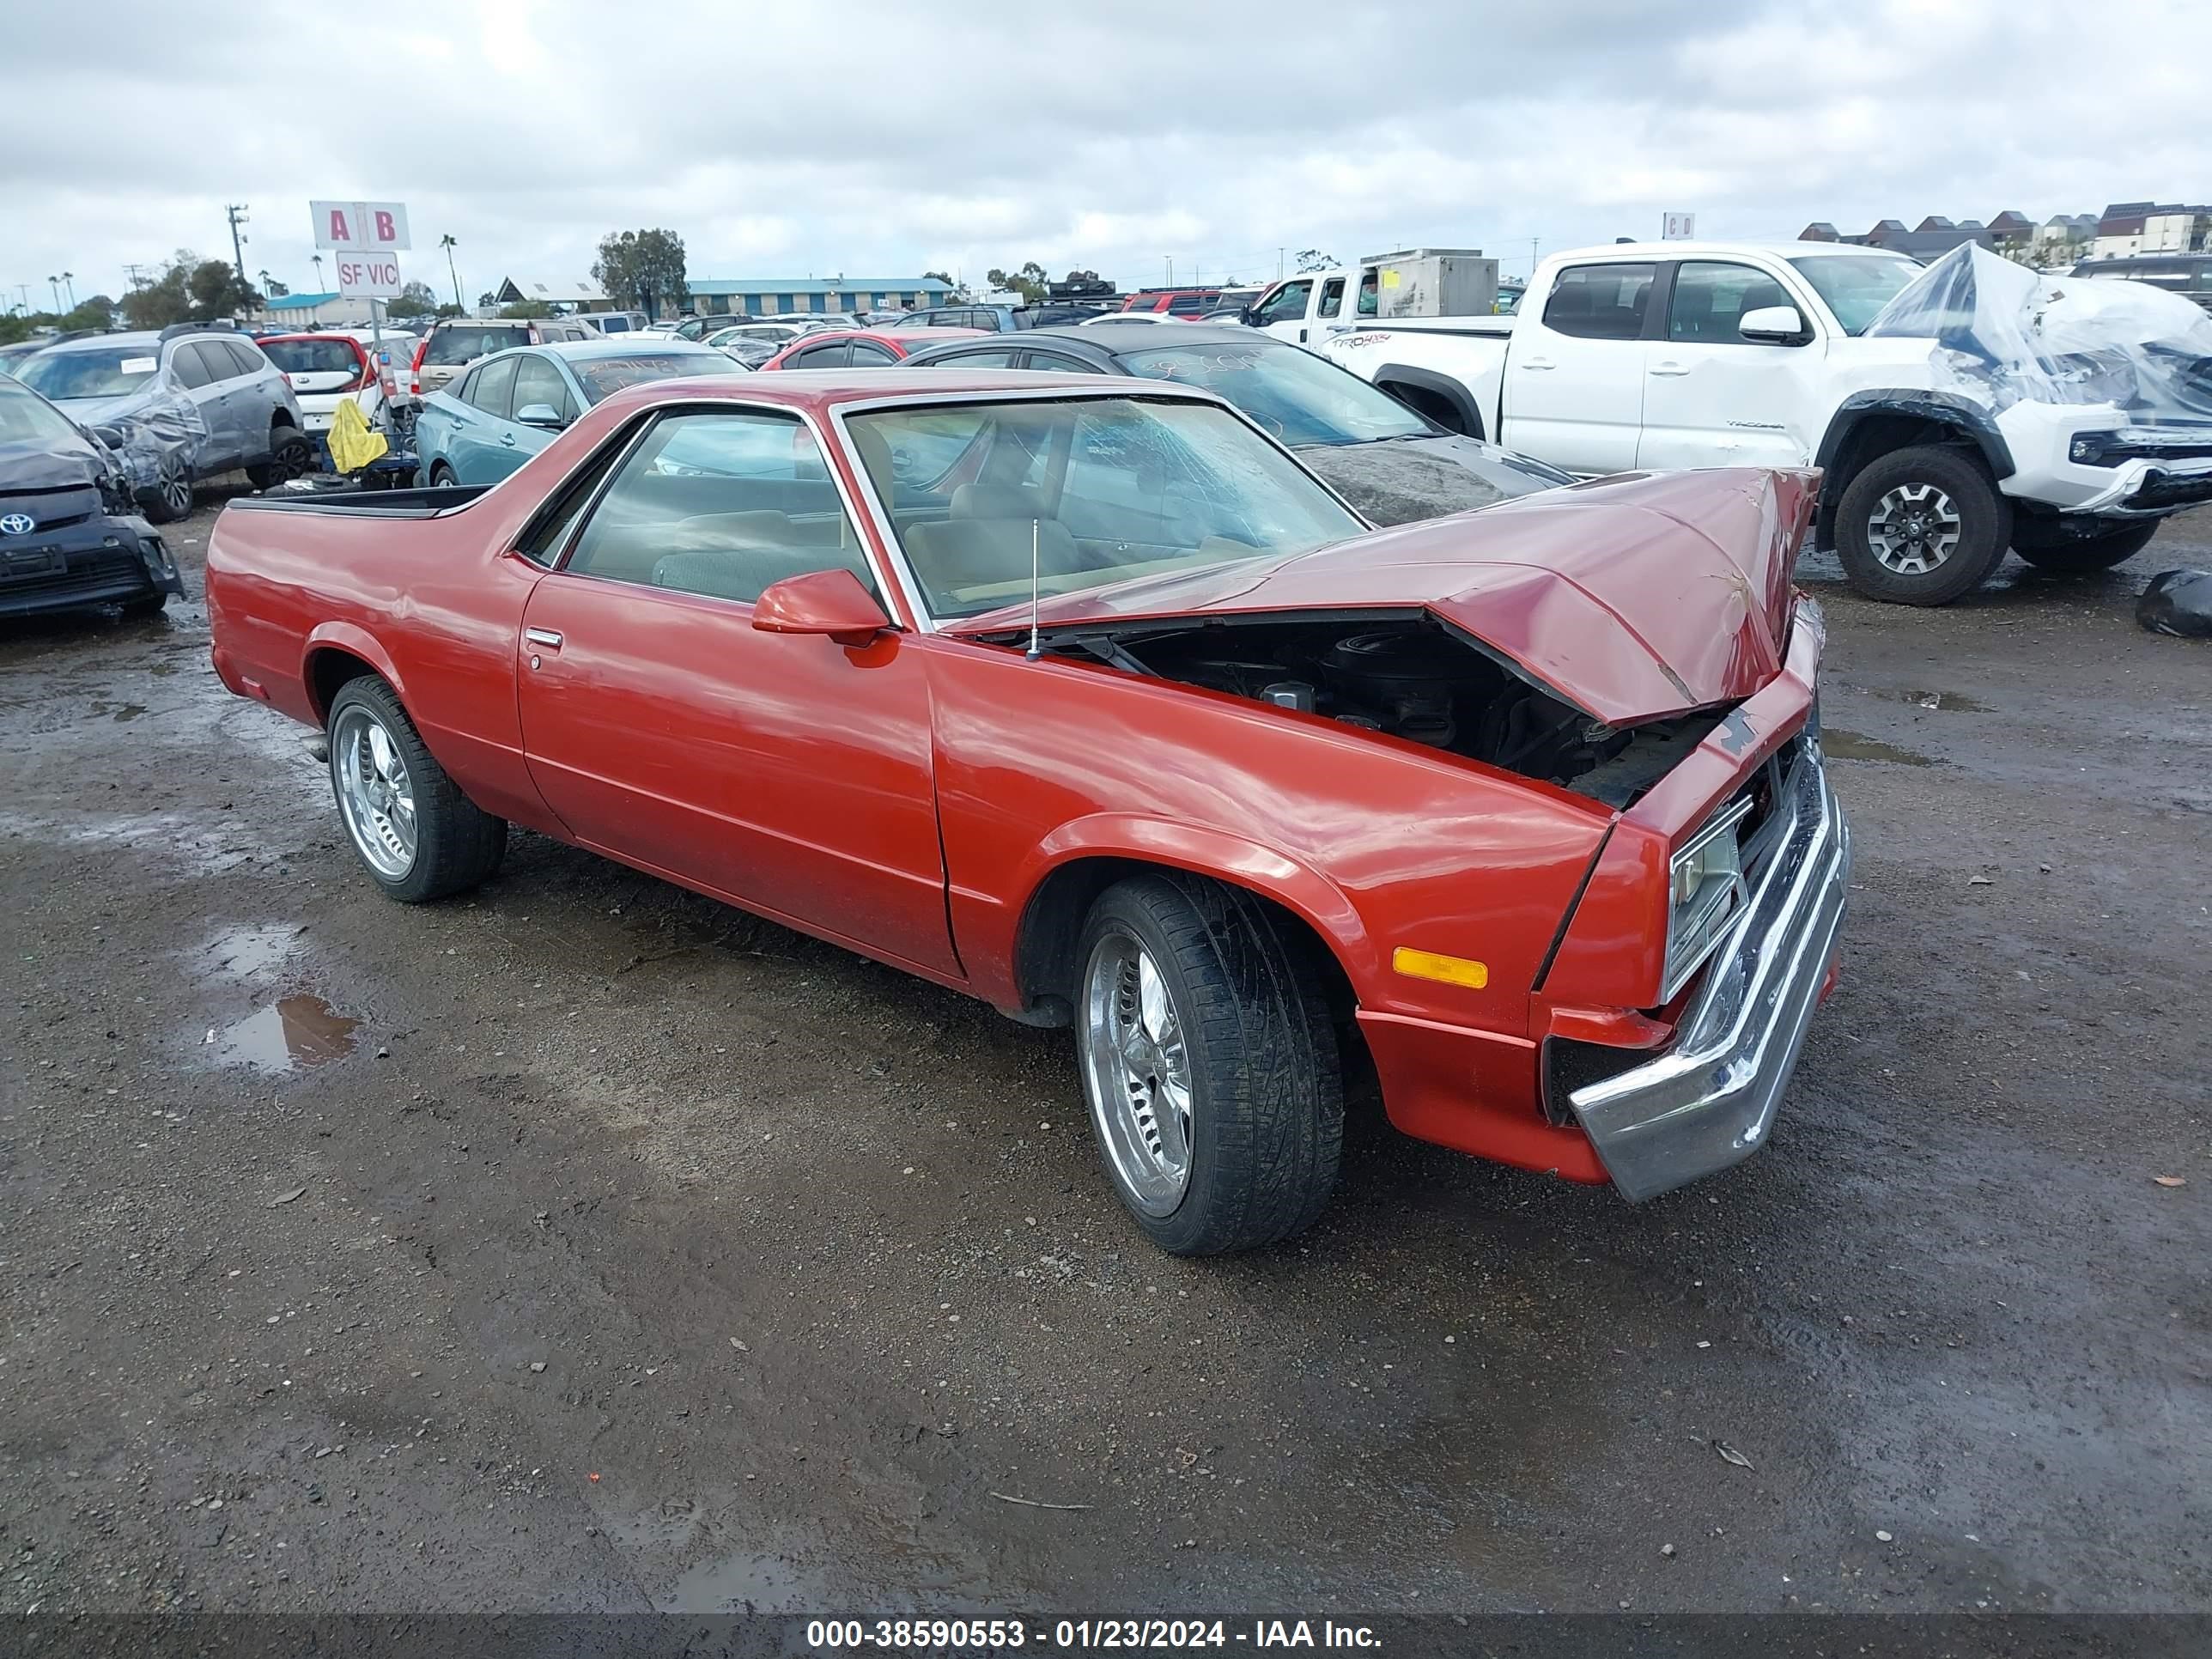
366,236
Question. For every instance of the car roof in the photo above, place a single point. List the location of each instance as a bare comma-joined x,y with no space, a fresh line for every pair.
1778,248
818,391
1151,336
307,334
623,345
144,336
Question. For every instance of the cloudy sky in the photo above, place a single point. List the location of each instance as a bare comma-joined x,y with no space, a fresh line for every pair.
783,139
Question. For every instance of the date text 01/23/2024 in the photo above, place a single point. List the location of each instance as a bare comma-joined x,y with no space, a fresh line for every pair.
832,1634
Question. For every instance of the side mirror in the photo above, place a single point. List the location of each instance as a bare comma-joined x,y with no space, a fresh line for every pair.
540,415
832,602
1774,325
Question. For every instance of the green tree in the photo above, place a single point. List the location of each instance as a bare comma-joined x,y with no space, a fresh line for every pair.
1312,258
643,268
218,291
1030,282
98,311
413,300
526,308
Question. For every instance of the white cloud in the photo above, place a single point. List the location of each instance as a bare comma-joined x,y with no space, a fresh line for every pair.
778,144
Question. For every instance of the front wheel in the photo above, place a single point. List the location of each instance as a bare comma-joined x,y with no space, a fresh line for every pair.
291,455
2048,546
1209,1064
171,497
418,837
1922,526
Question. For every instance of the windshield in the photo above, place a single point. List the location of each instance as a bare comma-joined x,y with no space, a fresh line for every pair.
601,377
1299,397
1097,490
449,346
313,356
106,372
1854,286
25,419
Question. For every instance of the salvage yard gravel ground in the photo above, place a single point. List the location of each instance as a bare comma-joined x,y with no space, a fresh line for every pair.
587,1245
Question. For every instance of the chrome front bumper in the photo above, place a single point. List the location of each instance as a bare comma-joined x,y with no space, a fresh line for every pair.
1709,1101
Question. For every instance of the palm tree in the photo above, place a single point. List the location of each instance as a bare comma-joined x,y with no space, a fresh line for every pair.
68,282
55,284
318,272
447,243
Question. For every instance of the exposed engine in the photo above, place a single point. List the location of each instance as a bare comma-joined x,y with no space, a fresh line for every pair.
1414,680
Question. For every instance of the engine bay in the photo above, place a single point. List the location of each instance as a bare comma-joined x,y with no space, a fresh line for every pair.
1412,679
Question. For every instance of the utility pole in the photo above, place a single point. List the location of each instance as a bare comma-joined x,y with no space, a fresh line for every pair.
1279,264
1531,258
1171,259
134,274
236,214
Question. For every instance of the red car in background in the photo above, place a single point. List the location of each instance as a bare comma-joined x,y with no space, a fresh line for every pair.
861,347
1190,303
1083,697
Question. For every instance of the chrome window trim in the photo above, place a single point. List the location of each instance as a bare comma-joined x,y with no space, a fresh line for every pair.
862,529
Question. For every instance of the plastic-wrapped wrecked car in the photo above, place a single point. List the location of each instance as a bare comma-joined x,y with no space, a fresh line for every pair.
179,406
2039,353
67,535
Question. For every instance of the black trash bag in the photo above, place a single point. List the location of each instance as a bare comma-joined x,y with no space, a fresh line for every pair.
2180,603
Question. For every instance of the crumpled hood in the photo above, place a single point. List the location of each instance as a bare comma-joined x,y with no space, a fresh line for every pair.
1631,599
1403,480
47,466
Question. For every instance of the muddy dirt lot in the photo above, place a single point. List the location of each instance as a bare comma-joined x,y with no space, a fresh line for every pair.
589,1246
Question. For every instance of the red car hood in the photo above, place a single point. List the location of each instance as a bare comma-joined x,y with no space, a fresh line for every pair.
1632,598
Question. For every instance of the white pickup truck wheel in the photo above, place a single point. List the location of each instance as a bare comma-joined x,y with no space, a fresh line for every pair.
1922,526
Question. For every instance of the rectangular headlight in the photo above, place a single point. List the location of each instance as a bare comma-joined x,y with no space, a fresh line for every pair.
1704,893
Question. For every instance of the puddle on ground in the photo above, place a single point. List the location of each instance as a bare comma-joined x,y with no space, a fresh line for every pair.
292,1033
1839,745
130,711
739,1583
1947,702
244,952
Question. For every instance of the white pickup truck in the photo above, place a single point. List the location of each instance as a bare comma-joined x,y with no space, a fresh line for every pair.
1671,354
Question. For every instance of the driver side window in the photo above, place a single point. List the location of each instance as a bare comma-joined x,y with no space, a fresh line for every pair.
1288,305
721,505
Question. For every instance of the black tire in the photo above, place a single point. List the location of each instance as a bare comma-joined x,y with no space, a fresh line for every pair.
171,497
146,605
2047,546
442,477
291,455
1266,1124
1922,478
456,845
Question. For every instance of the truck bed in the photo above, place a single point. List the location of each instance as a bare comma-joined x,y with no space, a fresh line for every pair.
379,504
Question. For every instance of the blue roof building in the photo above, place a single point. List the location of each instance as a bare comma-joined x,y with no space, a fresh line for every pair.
773,296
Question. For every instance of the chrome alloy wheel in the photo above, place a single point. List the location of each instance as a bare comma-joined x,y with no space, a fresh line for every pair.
375,795
1137,1072
1913,529
175,489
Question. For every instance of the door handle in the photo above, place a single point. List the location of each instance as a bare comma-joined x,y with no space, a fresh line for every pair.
1670,368
507,438
1538,363
542,639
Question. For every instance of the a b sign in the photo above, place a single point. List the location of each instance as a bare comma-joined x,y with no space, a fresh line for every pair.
374,275
360,227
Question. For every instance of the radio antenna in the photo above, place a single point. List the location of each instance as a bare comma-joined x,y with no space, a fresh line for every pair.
1034,650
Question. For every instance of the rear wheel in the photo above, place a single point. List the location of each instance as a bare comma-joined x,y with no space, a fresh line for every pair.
2048,545
170,497
1922,526
441,476
1209,1064
290,456
418,837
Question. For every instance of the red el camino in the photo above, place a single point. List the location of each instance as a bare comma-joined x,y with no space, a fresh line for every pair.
1084,697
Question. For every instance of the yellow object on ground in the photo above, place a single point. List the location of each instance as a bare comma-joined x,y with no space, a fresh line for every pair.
353,445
